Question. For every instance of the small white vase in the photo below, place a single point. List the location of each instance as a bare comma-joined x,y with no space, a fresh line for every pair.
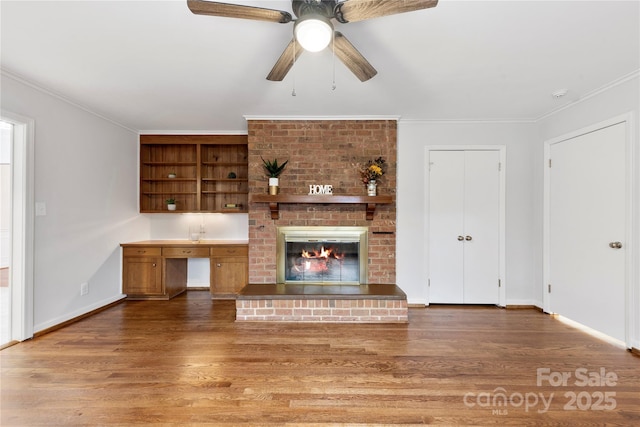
372,188
273,186
171,207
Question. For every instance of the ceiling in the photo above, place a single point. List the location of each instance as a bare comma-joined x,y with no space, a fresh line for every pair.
153,65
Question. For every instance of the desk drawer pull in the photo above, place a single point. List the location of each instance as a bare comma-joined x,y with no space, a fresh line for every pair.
186,252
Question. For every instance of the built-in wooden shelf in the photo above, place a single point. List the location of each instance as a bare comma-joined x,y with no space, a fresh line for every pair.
274,201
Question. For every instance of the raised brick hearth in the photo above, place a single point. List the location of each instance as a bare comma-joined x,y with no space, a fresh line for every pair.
323,303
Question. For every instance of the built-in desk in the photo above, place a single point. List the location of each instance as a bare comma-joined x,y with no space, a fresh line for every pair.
157,269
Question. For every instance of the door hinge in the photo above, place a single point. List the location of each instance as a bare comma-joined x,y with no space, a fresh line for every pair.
499,283
429,283
499,166
549,162
549,288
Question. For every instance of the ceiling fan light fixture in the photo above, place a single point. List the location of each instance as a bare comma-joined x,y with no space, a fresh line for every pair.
313,32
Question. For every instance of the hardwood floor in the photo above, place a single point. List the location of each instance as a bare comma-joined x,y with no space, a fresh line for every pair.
186,362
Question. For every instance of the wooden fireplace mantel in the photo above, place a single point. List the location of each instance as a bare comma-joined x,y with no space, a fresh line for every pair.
274,201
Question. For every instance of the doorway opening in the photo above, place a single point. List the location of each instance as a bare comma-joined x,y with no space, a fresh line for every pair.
17,224
6,144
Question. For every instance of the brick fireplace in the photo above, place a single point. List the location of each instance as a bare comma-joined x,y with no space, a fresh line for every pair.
322,152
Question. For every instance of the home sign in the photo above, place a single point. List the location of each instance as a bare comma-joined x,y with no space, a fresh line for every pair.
315,189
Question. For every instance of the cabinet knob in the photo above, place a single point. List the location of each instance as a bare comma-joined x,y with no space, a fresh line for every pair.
468,238
154,264
460,238
218,265
142,251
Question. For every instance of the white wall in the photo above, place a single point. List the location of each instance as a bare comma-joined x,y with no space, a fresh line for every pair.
614,101
86,170
520,139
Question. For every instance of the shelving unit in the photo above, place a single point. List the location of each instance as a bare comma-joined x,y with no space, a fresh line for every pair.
224,178
211,173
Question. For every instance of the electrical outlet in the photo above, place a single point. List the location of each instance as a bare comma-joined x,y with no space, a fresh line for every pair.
84,288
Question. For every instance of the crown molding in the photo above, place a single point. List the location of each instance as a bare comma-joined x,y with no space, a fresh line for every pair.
13,76
191,132
593,93
468,121
332,118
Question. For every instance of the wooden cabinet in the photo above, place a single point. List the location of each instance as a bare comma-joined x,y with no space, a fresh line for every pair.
229,270
157,269
203,173
142,272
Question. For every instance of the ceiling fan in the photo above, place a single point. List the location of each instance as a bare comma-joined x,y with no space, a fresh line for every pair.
313,29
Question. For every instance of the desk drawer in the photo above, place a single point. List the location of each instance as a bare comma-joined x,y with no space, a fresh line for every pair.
230,251
141,251
186,252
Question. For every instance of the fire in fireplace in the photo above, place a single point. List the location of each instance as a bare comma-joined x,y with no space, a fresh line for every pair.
322,255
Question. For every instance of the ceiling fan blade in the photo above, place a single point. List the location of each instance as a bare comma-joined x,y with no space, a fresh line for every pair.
359,10
285,62
353,59
200,7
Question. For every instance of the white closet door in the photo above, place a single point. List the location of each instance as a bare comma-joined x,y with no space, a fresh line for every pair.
446,208
481,227
464,224
586,215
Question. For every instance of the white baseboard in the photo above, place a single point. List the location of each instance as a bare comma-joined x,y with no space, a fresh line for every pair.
58,320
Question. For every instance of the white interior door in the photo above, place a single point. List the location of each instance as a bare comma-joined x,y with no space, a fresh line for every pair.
587,216
446,223
481,227
464,226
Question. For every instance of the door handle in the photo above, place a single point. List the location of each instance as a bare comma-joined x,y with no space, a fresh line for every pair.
468,238
615,245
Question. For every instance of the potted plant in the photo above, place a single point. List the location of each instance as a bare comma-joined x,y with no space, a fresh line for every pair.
172,175
171,204
374,169
273,170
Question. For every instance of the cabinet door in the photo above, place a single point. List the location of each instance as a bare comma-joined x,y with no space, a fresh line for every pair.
228,275
142,276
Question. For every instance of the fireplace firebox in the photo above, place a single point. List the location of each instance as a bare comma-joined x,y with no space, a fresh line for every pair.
322,255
